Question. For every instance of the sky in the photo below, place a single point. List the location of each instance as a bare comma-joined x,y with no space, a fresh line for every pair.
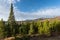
30,9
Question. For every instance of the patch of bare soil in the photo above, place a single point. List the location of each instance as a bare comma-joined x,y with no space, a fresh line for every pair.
46,38
35,38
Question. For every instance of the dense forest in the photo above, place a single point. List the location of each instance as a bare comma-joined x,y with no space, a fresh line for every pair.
45,27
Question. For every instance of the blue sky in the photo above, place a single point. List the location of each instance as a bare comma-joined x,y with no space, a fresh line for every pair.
34,5
30,9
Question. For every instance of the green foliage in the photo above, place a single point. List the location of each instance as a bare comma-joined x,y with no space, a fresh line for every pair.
7,31
46,28
2,29
40,27
33,28
24,28
57,26
31,31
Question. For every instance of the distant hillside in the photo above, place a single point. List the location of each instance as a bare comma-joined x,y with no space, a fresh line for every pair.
41,19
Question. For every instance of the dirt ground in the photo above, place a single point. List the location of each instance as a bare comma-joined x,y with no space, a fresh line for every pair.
41,38
46,38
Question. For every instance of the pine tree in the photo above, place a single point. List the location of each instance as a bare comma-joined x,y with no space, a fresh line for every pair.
11,22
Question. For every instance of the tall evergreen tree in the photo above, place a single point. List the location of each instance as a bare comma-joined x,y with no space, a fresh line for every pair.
11,22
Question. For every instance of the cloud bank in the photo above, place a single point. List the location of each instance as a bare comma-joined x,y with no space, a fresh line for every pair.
5,9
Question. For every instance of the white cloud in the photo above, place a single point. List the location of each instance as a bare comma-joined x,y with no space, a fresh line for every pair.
11,1
5,8
18,0
48,12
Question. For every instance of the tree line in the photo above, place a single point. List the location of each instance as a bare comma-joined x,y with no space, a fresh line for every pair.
40,27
